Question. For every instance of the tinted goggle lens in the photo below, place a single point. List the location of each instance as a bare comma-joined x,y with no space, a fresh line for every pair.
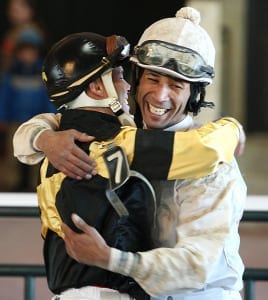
175,58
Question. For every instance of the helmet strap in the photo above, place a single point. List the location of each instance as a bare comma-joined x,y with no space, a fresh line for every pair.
123,117
83,100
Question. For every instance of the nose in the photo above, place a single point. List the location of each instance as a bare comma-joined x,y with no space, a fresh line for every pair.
161,93
128,86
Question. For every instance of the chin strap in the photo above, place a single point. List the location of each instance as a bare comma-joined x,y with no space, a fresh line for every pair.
123,117
83,100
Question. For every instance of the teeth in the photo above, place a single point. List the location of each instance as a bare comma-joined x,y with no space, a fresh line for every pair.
156,110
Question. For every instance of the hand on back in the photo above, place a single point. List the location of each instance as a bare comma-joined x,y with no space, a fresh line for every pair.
61,150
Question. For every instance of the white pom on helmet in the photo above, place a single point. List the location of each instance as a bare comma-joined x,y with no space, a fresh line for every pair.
178,47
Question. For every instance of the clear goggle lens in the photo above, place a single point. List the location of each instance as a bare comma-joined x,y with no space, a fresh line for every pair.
176,58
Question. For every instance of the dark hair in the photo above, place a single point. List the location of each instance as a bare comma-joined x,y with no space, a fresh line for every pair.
193,105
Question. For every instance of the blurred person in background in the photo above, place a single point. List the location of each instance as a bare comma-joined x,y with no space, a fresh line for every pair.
22,95
21,15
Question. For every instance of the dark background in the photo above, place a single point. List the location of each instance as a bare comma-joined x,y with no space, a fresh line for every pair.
257,67
127,18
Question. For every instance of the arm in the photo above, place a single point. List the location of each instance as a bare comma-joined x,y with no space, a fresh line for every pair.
207,241
177,155
24,140
207,249
187,155
59,146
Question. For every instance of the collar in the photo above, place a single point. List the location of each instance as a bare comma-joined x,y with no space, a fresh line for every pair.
186,124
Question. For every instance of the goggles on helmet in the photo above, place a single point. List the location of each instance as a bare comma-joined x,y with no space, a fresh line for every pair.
173,57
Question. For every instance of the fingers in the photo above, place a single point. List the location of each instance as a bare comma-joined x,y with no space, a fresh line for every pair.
73,172
66,156
241,143
82,137
83,226
81,159
87,247
80,223
78,165
66,230
240,148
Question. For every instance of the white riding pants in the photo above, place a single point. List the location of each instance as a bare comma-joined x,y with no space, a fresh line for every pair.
91,293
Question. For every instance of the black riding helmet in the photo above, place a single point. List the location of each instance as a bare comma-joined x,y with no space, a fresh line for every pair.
78,59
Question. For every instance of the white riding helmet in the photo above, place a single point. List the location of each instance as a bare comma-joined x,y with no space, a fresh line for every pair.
178,47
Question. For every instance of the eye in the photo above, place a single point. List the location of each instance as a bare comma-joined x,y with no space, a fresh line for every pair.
152,79
178,86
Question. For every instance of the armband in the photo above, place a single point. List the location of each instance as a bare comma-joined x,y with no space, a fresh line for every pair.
35,134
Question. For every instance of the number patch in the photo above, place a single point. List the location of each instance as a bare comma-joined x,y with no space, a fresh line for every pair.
117,165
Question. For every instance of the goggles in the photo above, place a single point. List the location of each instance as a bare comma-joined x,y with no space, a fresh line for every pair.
115,42
173,57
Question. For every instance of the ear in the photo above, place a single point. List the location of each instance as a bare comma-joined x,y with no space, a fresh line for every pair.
96,89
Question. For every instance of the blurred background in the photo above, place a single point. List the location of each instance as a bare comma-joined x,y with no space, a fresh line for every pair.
239,30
